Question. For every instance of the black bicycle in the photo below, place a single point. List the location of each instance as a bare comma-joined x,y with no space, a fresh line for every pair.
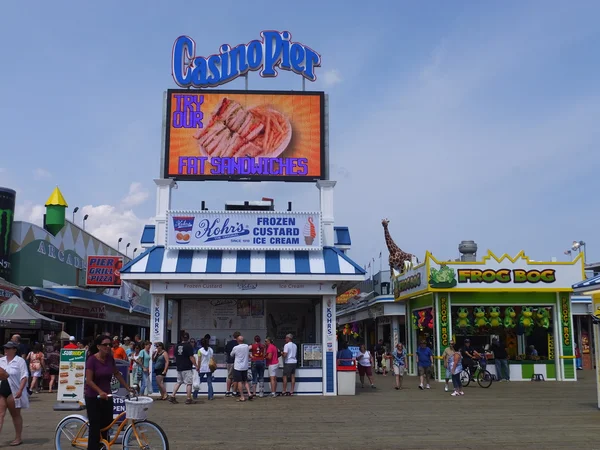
483,377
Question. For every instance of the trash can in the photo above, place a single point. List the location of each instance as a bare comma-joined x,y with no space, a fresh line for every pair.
346,378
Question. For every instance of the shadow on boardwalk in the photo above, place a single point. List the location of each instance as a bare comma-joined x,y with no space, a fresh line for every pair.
519,415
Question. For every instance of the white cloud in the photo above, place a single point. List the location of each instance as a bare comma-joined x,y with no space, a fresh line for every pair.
41,174
30,212
109,223
136,196
332,77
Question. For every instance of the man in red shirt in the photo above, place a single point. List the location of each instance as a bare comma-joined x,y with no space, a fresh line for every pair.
71,343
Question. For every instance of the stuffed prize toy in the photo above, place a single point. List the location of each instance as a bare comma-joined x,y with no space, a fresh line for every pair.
462,321
509,318
415,317
422,319
480,319
542,318
526,319
494,313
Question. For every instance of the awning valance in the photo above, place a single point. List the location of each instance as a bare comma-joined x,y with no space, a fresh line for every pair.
157,263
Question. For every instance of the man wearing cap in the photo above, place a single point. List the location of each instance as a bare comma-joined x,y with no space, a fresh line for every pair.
290,350
72,344
469,354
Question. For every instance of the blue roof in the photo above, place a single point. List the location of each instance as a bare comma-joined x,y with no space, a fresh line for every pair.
342,236
590,283
328,261
148,234
50,295
84,294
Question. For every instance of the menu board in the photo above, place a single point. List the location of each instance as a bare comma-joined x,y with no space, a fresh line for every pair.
312,352
223,314
71,375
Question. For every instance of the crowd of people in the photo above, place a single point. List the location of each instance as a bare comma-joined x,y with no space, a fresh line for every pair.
197,366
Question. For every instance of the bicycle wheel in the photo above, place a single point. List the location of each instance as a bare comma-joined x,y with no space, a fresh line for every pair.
465,378
484,379
67,430
150,435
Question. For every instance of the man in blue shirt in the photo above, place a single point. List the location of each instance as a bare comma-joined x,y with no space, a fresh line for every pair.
344,355
425,364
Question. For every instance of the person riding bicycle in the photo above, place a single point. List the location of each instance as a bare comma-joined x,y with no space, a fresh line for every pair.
469,356
99,370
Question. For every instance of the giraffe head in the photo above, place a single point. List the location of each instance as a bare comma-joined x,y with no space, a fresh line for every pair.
385,222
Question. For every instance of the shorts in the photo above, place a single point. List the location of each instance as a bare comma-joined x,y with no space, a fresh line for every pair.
230,371
399,370
448,374
186,377
37,373
289,369
273,369
5,389
365,370
425,371
53,371
240,376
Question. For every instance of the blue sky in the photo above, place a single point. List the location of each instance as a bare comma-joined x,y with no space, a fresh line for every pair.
467,121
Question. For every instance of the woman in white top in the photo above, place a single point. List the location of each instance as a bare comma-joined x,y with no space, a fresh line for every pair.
365,362
13,394
204,355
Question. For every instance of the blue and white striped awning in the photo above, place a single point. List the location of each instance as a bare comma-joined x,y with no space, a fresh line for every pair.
587,285
157,263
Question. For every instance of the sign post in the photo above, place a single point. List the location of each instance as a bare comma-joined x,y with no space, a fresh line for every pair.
71,380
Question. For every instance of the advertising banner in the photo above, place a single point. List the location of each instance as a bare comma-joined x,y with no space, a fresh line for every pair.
71,376
243,230
7,216
104,270
244,135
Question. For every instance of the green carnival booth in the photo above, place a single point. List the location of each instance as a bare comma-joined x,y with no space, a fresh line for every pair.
525,303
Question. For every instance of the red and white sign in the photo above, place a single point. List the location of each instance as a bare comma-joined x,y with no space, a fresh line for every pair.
104,270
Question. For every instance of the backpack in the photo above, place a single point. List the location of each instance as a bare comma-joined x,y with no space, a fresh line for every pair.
34,362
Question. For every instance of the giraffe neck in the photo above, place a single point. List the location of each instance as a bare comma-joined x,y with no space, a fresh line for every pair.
392,247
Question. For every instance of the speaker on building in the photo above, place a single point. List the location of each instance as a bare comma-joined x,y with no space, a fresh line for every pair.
385,288
28,296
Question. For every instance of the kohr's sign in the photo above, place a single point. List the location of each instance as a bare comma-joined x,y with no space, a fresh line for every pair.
275,50
243,230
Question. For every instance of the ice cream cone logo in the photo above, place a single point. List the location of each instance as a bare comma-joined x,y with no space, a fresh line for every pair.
310,232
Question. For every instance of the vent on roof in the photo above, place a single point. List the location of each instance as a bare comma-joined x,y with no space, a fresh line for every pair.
249,206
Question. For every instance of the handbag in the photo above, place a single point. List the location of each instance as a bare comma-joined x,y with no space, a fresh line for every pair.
212,365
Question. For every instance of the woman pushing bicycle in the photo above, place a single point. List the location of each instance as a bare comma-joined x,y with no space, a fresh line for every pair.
99,371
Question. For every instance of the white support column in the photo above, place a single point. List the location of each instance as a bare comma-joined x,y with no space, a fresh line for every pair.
326,201
158,319
329,363
395,331
163,204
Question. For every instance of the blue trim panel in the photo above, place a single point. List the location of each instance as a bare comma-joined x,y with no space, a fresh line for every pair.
272,263
184,261
100,298
329,372
242,264
332,264
213,261
342,236
302,262
51,296
155,260
148,234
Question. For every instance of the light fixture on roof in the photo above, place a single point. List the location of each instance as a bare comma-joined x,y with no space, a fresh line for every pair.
126,247
74,211
578,246
119,243
84,219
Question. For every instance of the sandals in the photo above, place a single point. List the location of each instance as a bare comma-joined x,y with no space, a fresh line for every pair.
240,400
15,443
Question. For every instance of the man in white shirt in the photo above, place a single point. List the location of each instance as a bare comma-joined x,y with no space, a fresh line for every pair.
241,353
290,362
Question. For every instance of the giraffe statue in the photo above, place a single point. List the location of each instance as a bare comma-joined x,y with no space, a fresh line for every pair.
399,259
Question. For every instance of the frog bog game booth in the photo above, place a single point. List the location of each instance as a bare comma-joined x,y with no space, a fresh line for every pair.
524,303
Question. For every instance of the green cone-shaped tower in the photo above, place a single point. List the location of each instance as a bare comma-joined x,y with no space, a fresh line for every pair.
56,206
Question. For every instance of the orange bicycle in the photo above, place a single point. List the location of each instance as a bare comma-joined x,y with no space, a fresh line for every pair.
139,434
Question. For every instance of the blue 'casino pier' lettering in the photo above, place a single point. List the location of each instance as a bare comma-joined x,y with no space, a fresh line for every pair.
275,50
